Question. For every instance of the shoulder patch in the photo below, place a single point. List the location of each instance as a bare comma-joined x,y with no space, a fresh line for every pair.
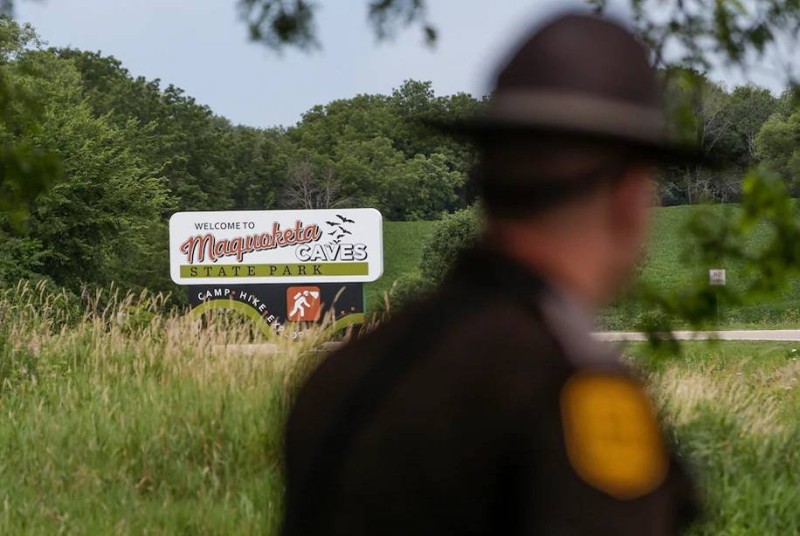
612,436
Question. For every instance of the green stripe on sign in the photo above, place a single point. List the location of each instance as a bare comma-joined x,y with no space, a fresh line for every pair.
189,271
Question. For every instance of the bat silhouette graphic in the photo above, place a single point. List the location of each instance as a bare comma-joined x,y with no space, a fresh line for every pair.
340,237
332,223
333,232
346,231
344,220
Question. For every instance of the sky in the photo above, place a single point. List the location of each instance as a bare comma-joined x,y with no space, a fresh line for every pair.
201,46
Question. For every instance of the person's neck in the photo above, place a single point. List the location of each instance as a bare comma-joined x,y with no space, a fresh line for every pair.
569,263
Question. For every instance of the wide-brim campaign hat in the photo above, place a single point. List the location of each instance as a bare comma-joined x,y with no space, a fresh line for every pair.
581,76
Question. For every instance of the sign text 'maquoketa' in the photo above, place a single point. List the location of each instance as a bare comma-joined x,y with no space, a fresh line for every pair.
276,246
199,247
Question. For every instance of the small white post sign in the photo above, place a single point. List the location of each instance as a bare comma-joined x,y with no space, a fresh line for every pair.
276,246
717,277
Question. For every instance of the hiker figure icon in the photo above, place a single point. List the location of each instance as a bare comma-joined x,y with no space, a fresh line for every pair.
301,308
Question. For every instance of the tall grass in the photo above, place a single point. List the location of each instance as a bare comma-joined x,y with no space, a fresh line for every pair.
734,411
119,419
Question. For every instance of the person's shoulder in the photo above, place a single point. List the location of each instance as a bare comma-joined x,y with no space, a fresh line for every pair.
492,350
491,317
490,332
339,372
442,317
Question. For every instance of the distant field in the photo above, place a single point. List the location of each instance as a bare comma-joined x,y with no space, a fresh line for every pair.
666,268
667,265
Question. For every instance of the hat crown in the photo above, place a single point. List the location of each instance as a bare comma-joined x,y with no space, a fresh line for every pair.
583,54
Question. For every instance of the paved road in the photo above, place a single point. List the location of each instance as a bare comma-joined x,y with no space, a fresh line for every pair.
736,335
786,335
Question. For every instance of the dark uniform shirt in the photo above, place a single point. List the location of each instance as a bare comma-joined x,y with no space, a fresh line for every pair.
450,419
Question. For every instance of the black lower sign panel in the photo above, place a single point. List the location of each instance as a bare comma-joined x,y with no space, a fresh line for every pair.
279,307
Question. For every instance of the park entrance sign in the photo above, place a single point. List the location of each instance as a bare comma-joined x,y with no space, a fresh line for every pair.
284,269
288,246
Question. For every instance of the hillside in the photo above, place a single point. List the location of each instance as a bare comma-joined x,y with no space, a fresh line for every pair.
402,250
667,267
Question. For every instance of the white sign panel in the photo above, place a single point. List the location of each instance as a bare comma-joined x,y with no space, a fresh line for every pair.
717,277
276,246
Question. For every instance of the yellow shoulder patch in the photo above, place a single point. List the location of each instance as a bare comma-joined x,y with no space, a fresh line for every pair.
612,435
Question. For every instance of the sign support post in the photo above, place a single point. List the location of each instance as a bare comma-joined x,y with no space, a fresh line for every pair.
717,277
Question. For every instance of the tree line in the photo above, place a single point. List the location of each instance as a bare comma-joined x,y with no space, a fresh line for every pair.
128,152
132,151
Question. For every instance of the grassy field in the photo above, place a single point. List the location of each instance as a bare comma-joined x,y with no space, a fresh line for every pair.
667,267
402,250
122,421
119,420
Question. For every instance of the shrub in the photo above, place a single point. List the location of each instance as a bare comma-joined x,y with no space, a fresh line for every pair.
405,290
449,238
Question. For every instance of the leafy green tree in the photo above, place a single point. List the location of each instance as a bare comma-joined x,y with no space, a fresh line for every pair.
417,106
778,146
175,135
751,106
20,258
423,189
25,169
364,166
724,124
258,163
106,206
382,153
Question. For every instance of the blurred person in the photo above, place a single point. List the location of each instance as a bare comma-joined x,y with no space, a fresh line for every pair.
488,408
